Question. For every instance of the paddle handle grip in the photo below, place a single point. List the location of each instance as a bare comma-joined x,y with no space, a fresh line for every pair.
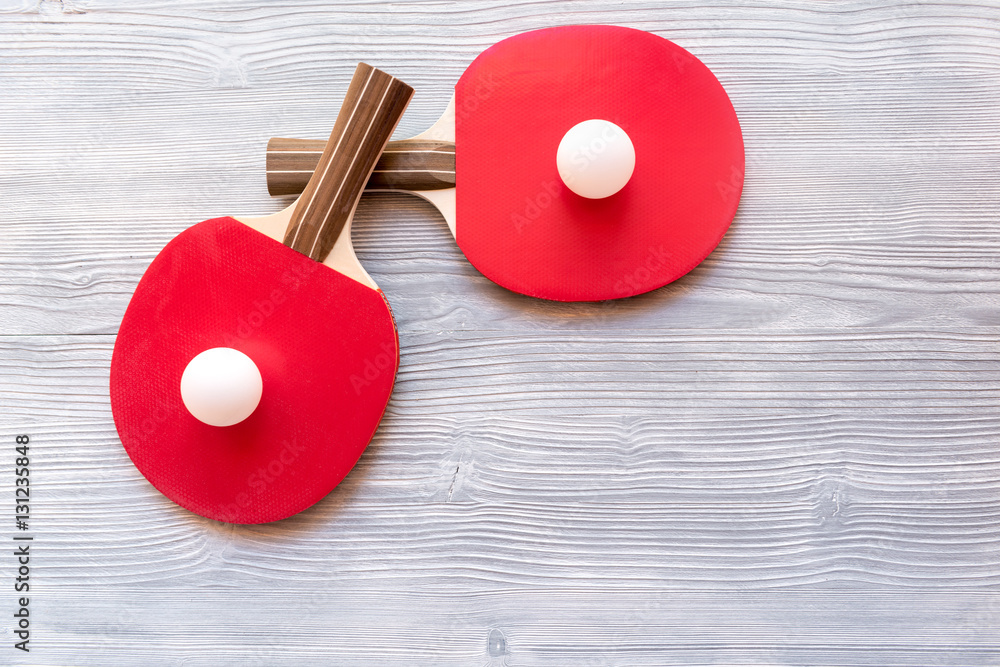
374,103
408,164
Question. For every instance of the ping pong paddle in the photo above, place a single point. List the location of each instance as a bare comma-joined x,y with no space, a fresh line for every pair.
286,295
490,163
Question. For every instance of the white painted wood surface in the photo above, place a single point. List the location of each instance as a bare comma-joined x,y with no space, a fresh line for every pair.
789,457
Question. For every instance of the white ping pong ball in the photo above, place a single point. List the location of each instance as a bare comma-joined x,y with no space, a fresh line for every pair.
595,158
221,386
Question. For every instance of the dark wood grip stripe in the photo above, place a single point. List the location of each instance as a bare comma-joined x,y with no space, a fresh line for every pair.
374,103
409,164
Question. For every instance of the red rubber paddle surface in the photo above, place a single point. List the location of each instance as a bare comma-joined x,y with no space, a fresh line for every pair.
525,230
326,347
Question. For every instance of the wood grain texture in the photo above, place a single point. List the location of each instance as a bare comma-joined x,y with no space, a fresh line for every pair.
405,164
373,104
788,457
543,626
803,502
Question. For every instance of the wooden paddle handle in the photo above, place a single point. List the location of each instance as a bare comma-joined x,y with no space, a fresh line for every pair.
409,164
374,103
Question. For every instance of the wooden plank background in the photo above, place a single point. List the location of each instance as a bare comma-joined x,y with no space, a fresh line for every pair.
789,457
